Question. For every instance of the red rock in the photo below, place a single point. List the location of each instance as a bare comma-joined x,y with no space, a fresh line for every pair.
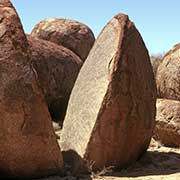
167,129
111,112
168,73
57,68
28,146
71,34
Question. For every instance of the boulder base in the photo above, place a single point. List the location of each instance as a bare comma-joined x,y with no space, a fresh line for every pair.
111,112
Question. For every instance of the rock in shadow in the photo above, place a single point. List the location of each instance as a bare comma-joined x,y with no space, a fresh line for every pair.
86,177
152,163
73,163
74,168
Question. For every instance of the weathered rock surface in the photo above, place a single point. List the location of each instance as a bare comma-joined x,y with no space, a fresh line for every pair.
111,112
28,146
72,34
168,75
57,69
167,129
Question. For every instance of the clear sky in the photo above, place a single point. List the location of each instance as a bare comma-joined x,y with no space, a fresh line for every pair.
157,20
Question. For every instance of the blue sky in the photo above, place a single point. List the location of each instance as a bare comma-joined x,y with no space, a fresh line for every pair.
157,20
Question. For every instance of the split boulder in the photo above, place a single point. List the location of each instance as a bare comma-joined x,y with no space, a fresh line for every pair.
111,112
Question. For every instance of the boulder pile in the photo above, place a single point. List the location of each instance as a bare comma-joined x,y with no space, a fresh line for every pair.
110,115
58,59
56,68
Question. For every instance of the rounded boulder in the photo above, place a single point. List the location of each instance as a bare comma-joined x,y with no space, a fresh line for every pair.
167,129
168,75
56,69
69,33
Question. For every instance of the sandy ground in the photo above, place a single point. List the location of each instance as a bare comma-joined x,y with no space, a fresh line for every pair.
159,163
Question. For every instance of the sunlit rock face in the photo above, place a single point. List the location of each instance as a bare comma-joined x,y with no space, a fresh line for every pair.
111,112
168,75
71,34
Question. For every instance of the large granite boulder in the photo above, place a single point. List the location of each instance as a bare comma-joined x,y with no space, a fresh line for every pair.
28,146
111,112
168,75
71,34
167,129
57,68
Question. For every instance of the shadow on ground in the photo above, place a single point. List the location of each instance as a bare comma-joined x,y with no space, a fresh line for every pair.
152,163
67,178
157,161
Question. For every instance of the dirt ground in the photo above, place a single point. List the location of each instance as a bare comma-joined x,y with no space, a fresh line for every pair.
159,163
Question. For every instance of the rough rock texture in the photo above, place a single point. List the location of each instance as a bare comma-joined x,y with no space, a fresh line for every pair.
167,129
72,34
28,146
57,69
111,112
168,75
